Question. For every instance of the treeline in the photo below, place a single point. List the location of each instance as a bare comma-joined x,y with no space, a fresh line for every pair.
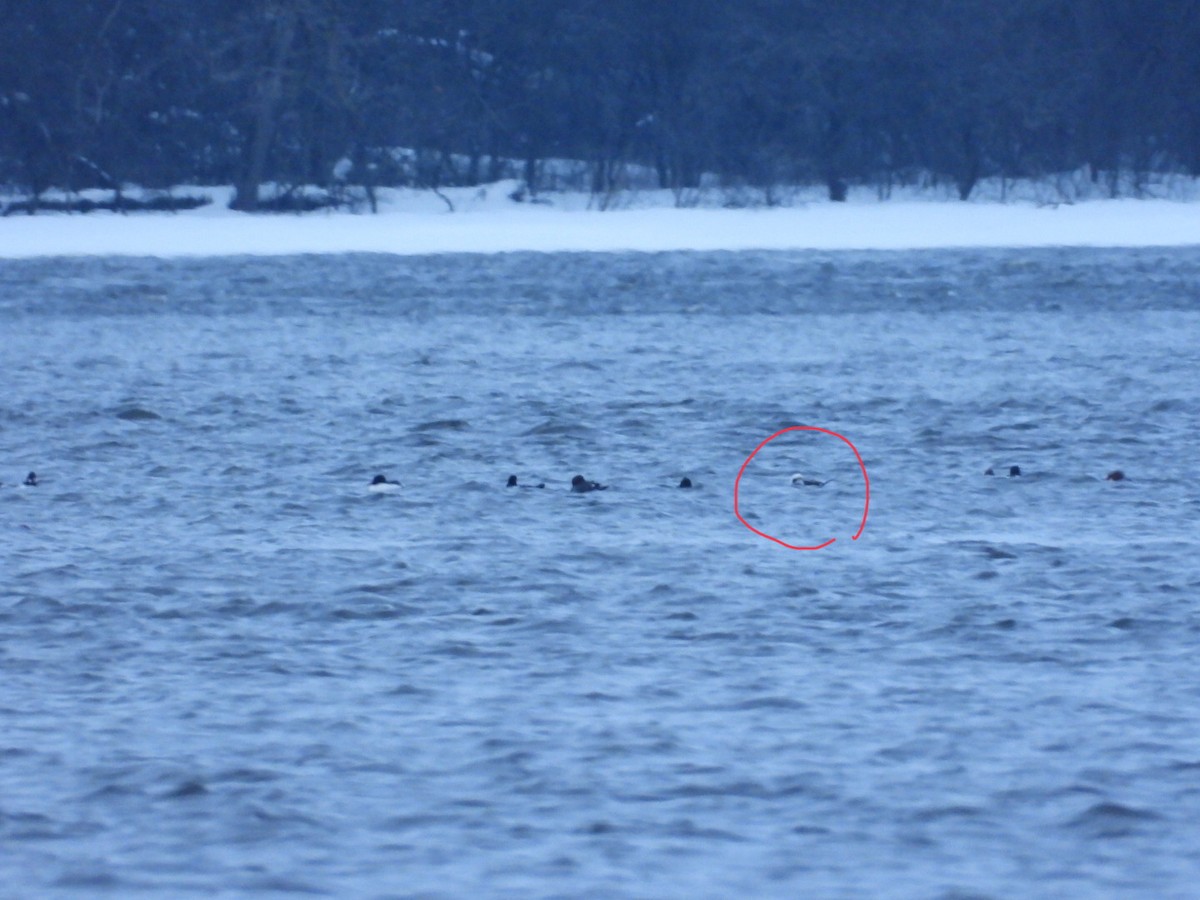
756,93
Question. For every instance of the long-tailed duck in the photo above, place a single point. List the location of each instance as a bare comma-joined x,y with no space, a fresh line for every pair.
798,480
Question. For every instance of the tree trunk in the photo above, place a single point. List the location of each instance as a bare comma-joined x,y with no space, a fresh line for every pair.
837,188
833,144
970,170
269,90
531,174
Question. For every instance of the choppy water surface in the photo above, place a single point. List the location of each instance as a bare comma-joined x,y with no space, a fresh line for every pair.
226,668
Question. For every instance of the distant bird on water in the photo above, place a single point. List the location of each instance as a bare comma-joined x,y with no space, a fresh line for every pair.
1115,475
1013,471
580,485
798,480
380,485
512,482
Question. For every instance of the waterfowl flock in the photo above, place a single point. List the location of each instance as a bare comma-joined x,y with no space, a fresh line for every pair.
581,485
381,484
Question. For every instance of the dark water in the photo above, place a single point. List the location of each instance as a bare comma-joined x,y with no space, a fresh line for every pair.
227,669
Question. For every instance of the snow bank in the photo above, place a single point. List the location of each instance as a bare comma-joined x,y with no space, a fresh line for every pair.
485,220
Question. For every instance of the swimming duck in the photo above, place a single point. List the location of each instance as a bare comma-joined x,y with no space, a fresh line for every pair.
685,482
1013,471
31,480
512,482
380,485
798,480
580,485
1115,475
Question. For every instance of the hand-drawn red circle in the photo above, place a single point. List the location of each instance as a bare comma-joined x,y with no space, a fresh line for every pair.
866,487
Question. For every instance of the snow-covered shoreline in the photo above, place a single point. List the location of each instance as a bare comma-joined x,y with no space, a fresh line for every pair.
487,221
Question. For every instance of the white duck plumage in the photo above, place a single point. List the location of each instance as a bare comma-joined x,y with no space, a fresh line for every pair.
800,480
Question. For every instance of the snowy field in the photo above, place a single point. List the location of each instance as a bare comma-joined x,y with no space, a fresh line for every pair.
486,220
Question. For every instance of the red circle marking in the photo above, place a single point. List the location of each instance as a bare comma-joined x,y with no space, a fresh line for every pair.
866,485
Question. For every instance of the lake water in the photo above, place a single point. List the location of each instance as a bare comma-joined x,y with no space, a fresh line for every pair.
227,669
